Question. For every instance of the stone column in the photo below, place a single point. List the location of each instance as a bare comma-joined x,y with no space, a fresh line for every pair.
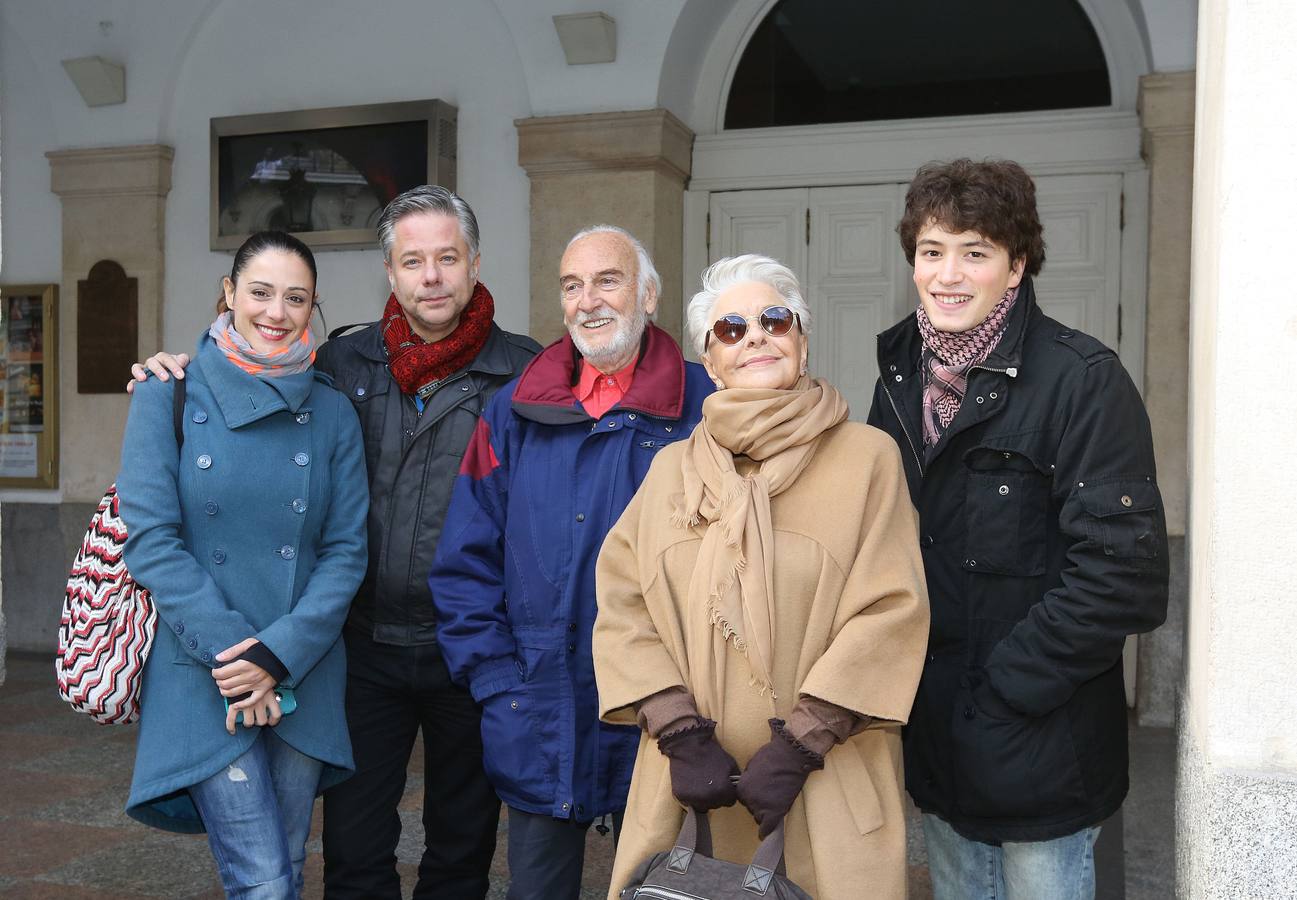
1166,111
625,168
114,207
1236,803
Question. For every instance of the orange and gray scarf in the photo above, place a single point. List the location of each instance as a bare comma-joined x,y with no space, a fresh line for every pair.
287,360
947,358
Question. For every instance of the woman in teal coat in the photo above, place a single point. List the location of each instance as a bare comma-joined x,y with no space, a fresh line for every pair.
251,539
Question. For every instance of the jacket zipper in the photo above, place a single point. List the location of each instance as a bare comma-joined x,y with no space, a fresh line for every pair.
909,440
1011,371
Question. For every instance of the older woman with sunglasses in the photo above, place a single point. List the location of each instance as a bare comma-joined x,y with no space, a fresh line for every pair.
762,613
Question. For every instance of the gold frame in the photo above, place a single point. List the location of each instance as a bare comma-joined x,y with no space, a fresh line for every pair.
441,119
47,440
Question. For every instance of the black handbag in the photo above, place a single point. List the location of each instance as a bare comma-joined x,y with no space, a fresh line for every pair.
688,871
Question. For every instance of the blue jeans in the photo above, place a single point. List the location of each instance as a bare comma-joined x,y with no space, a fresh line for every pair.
963,869
257,811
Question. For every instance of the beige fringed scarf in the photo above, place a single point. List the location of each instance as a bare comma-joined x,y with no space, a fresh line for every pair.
733,576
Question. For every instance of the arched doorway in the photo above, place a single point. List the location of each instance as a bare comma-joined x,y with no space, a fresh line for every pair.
813,185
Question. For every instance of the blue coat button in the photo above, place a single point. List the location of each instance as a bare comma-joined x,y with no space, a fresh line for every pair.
302,458
191,644
303,418
205,656
199,416
299,506
360,392
287,551
211,507
178,628
218,556
204,461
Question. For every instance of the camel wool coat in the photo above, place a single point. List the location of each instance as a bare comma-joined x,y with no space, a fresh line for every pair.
851,627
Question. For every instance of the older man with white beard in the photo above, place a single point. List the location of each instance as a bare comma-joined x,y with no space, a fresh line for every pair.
556,457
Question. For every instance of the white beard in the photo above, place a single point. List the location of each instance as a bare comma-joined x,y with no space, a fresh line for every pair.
629,331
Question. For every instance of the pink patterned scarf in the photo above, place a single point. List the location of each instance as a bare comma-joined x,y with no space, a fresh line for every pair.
947,357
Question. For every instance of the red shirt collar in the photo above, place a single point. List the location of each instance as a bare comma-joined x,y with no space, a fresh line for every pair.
599,392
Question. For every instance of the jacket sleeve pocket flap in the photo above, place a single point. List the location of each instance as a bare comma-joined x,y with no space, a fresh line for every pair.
1118,498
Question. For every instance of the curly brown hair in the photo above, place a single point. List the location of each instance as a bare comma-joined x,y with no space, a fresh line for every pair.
996,198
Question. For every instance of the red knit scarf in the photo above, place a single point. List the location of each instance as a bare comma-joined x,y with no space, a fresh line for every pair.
947,357
417,364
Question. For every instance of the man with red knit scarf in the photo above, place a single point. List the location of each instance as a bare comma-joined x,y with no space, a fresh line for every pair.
1029,457
419,379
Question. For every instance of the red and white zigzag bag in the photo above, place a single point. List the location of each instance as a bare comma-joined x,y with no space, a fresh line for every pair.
107,627
108,621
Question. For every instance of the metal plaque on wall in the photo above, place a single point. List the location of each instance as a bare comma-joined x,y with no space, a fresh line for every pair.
107,328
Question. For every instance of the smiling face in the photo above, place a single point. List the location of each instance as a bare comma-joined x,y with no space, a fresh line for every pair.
961,277
758,360
272,301
598,278
431,272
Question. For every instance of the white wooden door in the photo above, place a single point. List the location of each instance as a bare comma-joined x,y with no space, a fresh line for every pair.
1080,284
855,284
841,242
772,223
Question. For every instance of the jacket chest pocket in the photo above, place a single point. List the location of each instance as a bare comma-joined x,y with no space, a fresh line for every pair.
1006,506
370,402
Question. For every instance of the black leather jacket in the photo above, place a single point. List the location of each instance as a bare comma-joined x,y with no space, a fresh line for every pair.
413,459
1044,545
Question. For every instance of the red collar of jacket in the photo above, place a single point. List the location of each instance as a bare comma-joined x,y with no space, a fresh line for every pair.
544,391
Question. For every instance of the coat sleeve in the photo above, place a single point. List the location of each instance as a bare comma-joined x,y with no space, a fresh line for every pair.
1114,582
880,633
631,662
184,594
302,637
467,578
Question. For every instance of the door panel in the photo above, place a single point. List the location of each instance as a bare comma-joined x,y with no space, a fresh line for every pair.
772,223
855,286
1081,282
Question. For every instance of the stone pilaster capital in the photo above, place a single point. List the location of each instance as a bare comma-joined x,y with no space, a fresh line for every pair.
137,169
1166,104
641,139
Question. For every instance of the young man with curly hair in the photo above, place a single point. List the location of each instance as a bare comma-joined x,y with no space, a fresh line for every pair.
1030,460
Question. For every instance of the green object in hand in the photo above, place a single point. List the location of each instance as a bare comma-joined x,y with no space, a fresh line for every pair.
287,703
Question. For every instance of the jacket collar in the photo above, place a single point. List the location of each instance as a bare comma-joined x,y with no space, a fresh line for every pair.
544,391
245,398
492,359
901,345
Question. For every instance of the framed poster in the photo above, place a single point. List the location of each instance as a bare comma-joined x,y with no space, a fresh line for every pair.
325,174
29,360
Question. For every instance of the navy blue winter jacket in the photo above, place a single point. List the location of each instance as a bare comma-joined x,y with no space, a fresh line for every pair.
541,485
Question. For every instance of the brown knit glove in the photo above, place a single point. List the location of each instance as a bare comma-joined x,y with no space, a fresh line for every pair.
700,767
775,776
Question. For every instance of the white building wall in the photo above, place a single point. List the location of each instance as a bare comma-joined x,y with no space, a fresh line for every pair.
1237,792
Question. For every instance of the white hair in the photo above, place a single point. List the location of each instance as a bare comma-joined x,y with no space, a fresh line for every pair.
724,274
648,273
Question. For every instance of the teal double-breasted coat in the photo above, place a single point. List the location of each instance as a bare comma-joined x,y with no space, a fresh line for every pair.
256,528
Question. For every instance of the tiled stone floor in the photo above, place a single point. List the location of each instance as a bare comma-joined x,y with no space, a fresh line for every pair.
64,780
